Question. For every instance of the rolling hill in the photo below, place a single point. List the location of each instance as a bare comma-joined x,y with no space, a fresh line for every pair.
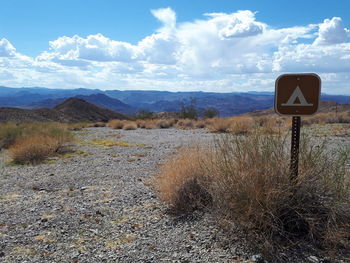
71,110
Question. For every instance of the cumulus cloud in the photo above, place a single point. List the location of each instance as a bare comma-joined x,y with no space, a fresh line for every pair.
221,51
166,15
239,24
6,48
332,31
93,48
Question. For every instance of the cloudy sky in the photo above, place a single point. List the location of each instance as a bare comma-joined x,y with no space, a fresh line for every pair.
176,45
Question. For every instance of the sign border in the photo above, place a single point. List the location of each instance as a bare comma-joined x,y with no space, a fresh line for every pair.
296,74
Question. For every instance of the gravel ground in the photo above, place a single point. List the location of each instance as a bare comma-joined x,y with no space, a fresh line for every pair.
97,205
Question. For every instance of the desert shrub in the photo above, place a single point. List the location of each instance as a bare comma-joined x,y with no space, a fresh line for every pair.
253,187
180,182
116,124
9,132
141,123
210,113
76,126
343,117
241,125
220,125
185,123
36,141
99,124
130,125
151,124
270,124
201,124
163,124
33,150
247,179
188,111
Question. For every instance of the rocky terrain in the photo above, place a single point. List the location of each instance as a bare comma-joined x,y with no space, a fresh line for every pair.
97,204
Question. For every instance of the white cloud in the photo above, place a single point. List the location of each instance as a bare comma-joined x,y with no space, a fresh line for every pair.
332,31
221,51
166,15
239,24
6,48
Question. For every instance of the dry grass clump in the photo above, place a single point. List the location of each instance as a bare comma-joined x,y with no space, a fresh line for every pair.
35,141
241,125
201,124
181,181
99,124
271,124
151,124
9,132
141,123
185,123
116,124
33,149
220,125
248,183
76,126
163,124
129,125
252,185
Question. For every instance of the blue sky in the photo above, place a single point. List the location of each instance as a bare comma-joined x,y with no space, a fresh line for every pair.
173,45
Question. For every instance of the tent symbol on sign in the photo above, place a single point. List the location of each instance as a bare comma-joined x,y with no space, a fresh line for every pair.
297,94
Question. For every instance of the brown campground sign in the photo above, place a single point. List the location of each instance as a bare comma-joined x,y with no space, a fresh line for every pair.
297,94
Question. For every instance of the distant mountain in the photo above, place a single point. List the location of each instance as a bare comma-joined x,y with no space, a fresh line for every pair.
158,101
97,99
71,110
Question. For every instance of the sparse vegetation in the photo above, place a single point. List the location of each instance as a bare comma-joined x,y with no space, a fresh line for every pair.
33,142
180,182
248,182
116,124
129,125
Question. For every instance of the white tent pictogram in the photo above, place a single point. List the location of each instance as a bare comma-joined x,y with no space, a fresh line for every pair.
297,94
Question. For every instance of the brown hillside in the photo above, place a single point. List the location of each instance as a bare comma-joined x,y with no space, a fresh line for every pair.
71,110
80,110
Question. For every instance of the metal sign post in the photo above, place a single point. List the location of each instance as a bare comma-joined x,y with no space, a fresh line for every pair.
297,95
294,154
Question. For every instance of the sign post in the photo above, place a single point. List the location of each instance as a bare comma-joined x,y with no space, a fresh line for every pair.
297,95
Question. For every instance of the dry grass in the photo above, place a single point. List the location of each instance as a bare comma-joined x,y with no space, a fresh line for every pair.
33,142
141,123
185,124
220,125
248,183
151,124
99,124
241,125
9,132
327,118
129,125
116,124
163,124
180,182
34,149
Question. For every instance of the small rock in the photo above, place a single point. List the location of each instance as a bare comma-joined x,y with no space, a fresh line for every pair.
313,259
2,254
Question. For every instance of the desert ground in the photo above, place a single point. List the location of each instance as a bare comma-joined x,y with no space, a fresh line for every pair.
96,203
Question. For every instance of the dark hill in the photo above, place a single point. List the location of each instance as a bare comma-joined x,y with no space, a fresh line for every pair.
81,110
71,110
